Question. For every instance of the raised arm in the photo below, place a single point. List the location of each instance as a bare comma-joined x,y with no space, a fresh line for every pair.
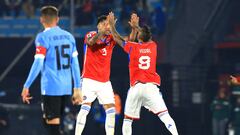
117,37
134,23
92,40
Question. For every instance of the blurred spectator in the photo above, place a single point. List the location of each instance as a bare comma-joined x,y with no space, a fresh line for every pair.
84,12
13,6
28,8
221,110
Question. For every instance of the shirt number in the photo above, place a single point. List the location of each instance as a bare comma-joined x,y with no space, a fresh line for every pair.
61,55
144,62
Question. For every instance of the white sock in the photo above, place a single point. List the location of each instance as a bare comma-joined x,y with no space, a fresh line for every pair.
110,121
169,122
81,119
127,127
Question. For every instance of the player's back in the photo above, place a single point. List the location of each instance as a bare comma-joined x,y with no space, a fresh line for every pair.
143,63
56,74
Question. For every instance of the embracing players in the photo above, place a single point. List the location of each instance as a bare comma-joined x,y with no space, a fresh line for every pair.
143,78
98,47
56,59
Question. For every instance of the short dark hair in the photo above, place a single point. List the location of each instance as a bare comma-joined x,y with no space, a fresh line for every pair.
49,11
101,19
146,34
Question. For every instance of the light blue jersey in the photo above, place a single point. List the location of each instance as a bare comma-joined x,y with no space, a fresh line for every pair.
57,49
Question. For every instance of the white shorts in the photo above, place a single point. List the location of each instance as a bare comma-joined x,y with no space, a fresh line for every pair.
147,95
92,89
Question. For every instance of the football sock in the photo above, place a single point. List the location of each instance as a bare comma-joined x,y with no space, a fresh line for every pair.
81,119
110,121
169,122
127,127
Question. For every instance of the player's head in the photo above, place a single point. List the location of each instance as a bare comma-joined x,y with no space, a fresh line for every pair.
49,16
102,23
145,35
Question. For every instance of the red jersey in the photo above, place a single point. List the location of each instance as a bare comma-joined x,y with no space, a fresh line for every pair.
142,64
97,58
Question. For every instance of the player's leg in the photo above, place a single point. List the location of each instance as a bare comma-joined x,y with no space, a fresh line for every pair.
52,113
132,108
169,122
127,125
106,97
153,100
89,95
81,118
54,126
110,118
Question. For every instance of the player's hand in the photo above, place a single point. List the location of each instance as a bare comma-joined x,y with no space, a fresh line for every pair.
26,96
77,96
111,19
234,80
134,21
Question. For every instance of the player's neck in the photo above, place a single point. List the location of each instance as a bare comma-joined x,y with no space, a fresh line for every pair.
49,26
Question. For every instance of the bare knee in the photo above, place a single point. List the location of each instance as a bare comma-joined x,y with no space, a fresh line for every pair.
107,106
127,117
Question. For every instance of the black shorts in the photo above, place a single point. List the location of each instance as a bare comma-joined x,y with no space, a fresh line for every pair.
53,106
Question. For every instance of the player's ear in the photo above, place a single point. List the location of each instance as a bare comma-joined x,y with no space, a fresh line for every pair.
57,20
41,20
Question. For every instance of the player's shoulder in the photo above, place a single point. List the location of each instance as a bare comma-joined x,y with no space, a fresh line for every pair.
152,43
66,32
70,35
40,34
40,37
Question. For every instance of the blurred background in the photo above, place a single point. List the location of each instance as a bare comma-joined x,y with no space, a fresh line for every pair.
198,49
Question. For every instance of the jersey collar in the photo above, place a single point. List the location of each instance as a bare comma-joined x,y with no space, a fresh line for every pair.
46,29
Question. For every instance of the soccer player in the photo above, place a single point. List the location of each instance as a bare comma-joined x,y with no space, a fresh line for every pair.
143,78
56,58
98,47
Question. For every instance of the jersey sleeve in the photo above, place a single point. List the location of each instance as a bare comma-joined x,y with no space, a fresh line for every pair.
74,47
35,70
89,35
41,47
127,46
75,65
